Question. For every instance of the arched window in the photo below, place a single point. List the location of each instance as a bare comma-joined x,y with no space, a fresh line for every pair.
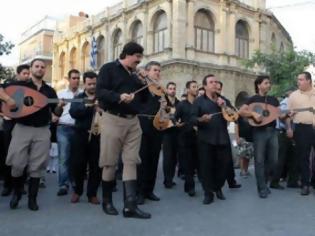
159,32
73,58
117,43
204,31
100,42
85,57
137,32
281,47
273,39
62,65
241,39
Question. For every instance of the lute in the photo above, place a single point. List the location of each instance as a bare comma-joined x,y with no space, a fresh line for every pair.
29,101
268,113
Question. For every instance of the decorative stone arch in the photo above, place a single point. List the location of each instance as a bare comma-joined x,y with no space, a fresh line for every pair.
209,10
136,31
160,28
101,46
117,42
242,38
62,64
247,23
241,98
73,57
281,48
204,30
273,41
153,16
85,56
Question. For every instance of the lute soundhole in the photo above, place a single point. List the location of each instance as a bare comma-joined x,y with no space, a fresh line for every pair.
28,101
265,113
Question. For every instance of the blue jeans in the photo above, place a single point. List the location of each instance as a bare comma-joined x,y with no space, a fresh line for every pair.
64,137
266,149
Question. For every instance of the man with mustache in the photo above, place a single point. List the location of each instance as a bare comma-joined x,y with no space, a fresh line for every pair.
121,131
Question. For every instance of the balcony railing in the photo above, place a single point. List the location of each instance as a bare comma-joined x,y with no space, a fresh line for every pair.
47,23
36,54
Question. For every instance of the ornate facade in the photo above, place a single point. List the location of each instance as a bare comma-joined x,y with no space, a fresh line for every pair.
191,38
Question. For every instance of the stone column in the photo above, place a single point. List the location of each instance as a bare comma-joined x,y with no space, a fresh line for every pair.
190,34
179,18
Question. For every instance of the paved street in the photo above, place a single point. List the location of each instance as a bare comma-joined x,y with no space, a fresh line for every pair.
284,213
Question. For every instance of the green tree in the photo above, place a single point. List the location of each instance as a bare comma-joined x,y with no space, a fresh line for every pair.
5,49
283,67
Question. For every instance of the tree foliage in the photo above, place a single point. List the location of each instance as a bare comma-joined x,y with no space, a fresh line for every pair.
5,49
283,67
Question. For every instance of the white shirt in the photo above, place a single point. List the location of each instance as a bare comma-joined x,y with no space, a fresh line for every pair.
65,118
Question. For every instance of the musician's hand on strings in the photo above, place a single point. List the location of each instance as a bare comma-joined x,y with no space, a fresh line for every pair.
257,117
11,103
141,75
291,114
126,98
61,103
220,102
205,118
54,118
179,124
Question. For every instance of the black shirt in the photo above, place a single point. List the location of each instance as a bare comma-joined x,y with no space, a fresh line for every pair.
112,81
43,116
186,133
171,130
244,129
82,114
151,107
264,99
215,131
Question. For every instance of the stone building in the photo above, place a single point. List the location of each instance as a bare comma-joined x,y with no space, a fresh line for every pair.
191,38
37,42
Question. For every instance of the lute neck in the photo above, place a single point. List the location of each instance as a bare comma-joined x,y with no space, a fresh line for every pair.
56,100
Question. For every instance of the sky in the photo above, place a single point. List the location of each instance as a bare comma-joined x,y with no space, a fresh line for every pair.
297,16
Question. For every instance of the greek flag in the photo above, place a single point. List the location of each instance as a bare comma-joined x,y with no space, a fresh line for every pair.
93,54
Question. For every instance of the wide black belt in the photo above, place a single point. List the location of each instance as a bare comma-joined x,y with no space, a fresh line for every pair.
115,113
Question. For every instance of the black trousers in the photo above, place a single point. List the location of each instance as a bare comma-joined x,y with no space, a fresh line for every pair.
304,136
8,126
84,158
230,175
170,155
213,161
149,153
189,157
286,158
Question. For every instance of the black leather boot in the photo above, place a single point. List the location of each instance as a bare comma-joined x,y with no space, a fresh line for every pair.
107,188
208,198
32,193
130,208
17,183
220,195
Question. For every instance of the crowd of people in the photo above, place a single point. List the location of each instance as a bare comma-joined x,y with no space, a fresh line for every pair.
116,135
